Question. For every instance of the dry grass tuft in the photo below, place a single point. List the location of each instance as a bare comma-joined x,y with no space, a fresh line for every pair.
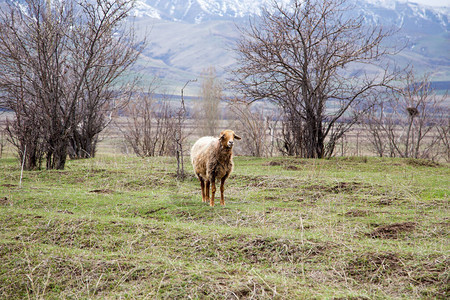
415,162
392,231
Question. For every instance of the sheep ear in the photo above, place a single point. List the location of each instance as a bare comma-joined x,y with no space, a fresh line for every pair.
221,136
237,137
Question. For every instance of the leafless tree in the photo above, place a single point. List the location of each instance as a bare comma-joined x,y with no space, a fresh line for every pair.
292,140
377,137
444,136
23,134
32,60
210,95
110,49
299,56
21,131
60,61
253,125
179,135
412,122
150,126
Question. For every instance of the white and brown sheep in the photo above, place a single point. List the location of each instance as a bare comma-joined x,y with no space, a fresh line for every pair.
212,159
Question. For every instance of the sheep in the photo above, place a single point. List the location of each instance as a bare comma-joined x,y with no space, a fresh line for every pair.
212,159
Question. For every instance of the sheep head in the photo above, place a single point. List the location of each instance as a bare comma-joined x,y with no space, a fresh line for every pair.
227,138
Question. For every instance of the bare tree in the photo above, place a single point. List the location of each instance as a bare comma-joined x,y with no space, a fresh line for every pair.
179,135
32,60
253,125
60,61
23,134
299,57
150,126
444,136
292,134
111,50
210,94
377,137
412,122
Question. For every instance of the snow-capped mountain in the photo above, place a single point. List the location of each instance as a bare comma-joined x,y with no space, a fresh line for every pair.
198,11
187,36
406,15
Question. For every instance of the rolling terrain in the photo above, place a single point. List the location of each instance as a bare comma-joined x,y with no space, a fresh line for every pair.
123,227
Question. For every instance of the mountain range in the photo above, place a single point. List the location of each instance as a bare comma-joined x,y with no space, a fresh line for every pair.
187,36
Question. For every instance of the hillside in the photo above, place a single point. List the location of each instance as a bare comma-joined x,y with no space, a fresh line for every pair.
185,37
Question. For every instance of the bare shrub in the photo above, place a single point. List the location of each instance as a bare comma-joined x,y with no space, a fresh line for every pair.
179,133
443,130
411,122
27,139
255,126
150,127
292,135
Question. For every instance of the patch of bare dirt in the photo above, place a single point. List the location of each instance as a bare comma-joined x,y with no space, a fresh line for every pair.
275,250
273,163
4,201
380,268
7,248
433,271
374,267
385,202
339,187
352,298
345,187
9,185
102,191
257,181
250,290
187,176
392,231
357,213
152,211
292,168
273,209
422,163
291,165
265,182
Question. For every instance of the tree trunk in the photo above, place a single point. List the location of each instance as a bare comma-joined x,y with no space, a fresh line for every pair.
82,146
56,157
314,138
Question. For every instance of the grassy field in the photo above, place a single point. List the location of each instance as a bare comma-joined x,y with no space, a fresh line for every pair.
124,227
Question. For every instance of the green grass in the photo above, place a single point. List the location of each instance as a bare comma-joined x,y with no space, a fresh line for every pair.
123,227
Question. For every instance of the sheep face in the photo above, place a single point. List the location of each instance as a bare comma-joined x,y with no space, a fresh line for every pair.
227,138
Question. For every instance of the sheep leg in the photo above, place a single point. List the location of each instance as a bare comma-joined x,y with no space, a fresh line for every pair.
213,191
222,188
202,185
207,191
